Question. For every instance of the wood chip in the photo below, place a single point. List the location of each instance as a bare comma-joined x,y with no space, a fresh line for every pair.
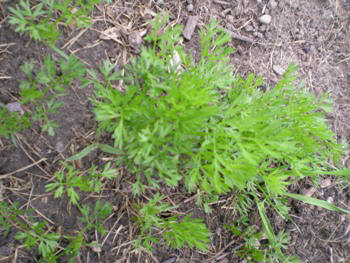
111,33
219,2
170,260
308,191
190,27
326,183
238,36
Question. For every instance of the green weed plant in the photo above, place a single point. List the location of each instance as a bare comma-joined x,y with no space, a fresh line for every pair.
41,20
179,121
72,180
12,122
199,125
177,233
43,88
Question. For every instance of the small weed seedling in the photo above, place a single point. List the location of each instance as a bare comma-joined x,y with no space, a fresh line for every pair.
37,236
43,88
72,180
42,19
189,231
92,220
9,217
11,122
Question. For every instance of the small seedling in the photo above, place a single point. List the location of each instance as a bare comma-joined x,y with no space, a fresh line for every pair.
9,216
37,236
12,122
43,88
190,231
73,179
94,219
41,21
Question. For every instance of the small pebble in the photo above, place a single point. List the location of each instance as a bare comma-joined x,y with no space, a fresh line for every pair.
245,3
218,231
273,4
330,200
59,147
249,28
258,35
15,106
265,19
326,183
278,70
262,28
308,191
223,260
189,2
170,260
259,1
190,8
230,19
96,247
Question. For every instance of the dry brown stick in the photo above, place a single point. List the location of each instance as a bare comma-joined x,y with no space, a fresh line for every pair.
42,215
3,176
238,36
190,27
20,140
213,259
219,2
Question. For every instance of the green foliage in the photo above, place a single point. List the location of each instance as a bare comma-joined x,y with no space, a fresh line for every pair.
43,88
75,245
190,231
11,122
94,219
41,19
255,249
9,216
103,147
37,236
177,120
189,123
73,179
161,118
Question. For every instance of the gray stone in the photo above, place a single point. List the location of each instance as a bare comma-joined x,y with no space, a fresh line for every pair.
230,19
245,3
190,8
265,19
249,28
170,260
278,69
59,147
15,106
262,28
273,4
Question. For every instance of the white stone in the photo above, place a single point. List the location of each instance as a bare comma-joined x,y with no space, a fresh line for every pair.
278,69
326,183
265,19
190,8
15,106
273,4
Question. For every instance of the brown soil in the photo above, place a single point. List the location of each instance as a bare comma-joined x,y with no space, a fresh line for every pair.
312,33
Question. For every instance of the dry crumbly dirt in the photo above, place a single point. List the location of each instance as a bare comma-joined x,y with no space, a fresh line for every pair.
314,34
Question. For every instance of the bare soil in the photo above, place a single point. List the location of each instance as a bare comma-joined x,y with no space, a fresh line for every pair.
314,34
